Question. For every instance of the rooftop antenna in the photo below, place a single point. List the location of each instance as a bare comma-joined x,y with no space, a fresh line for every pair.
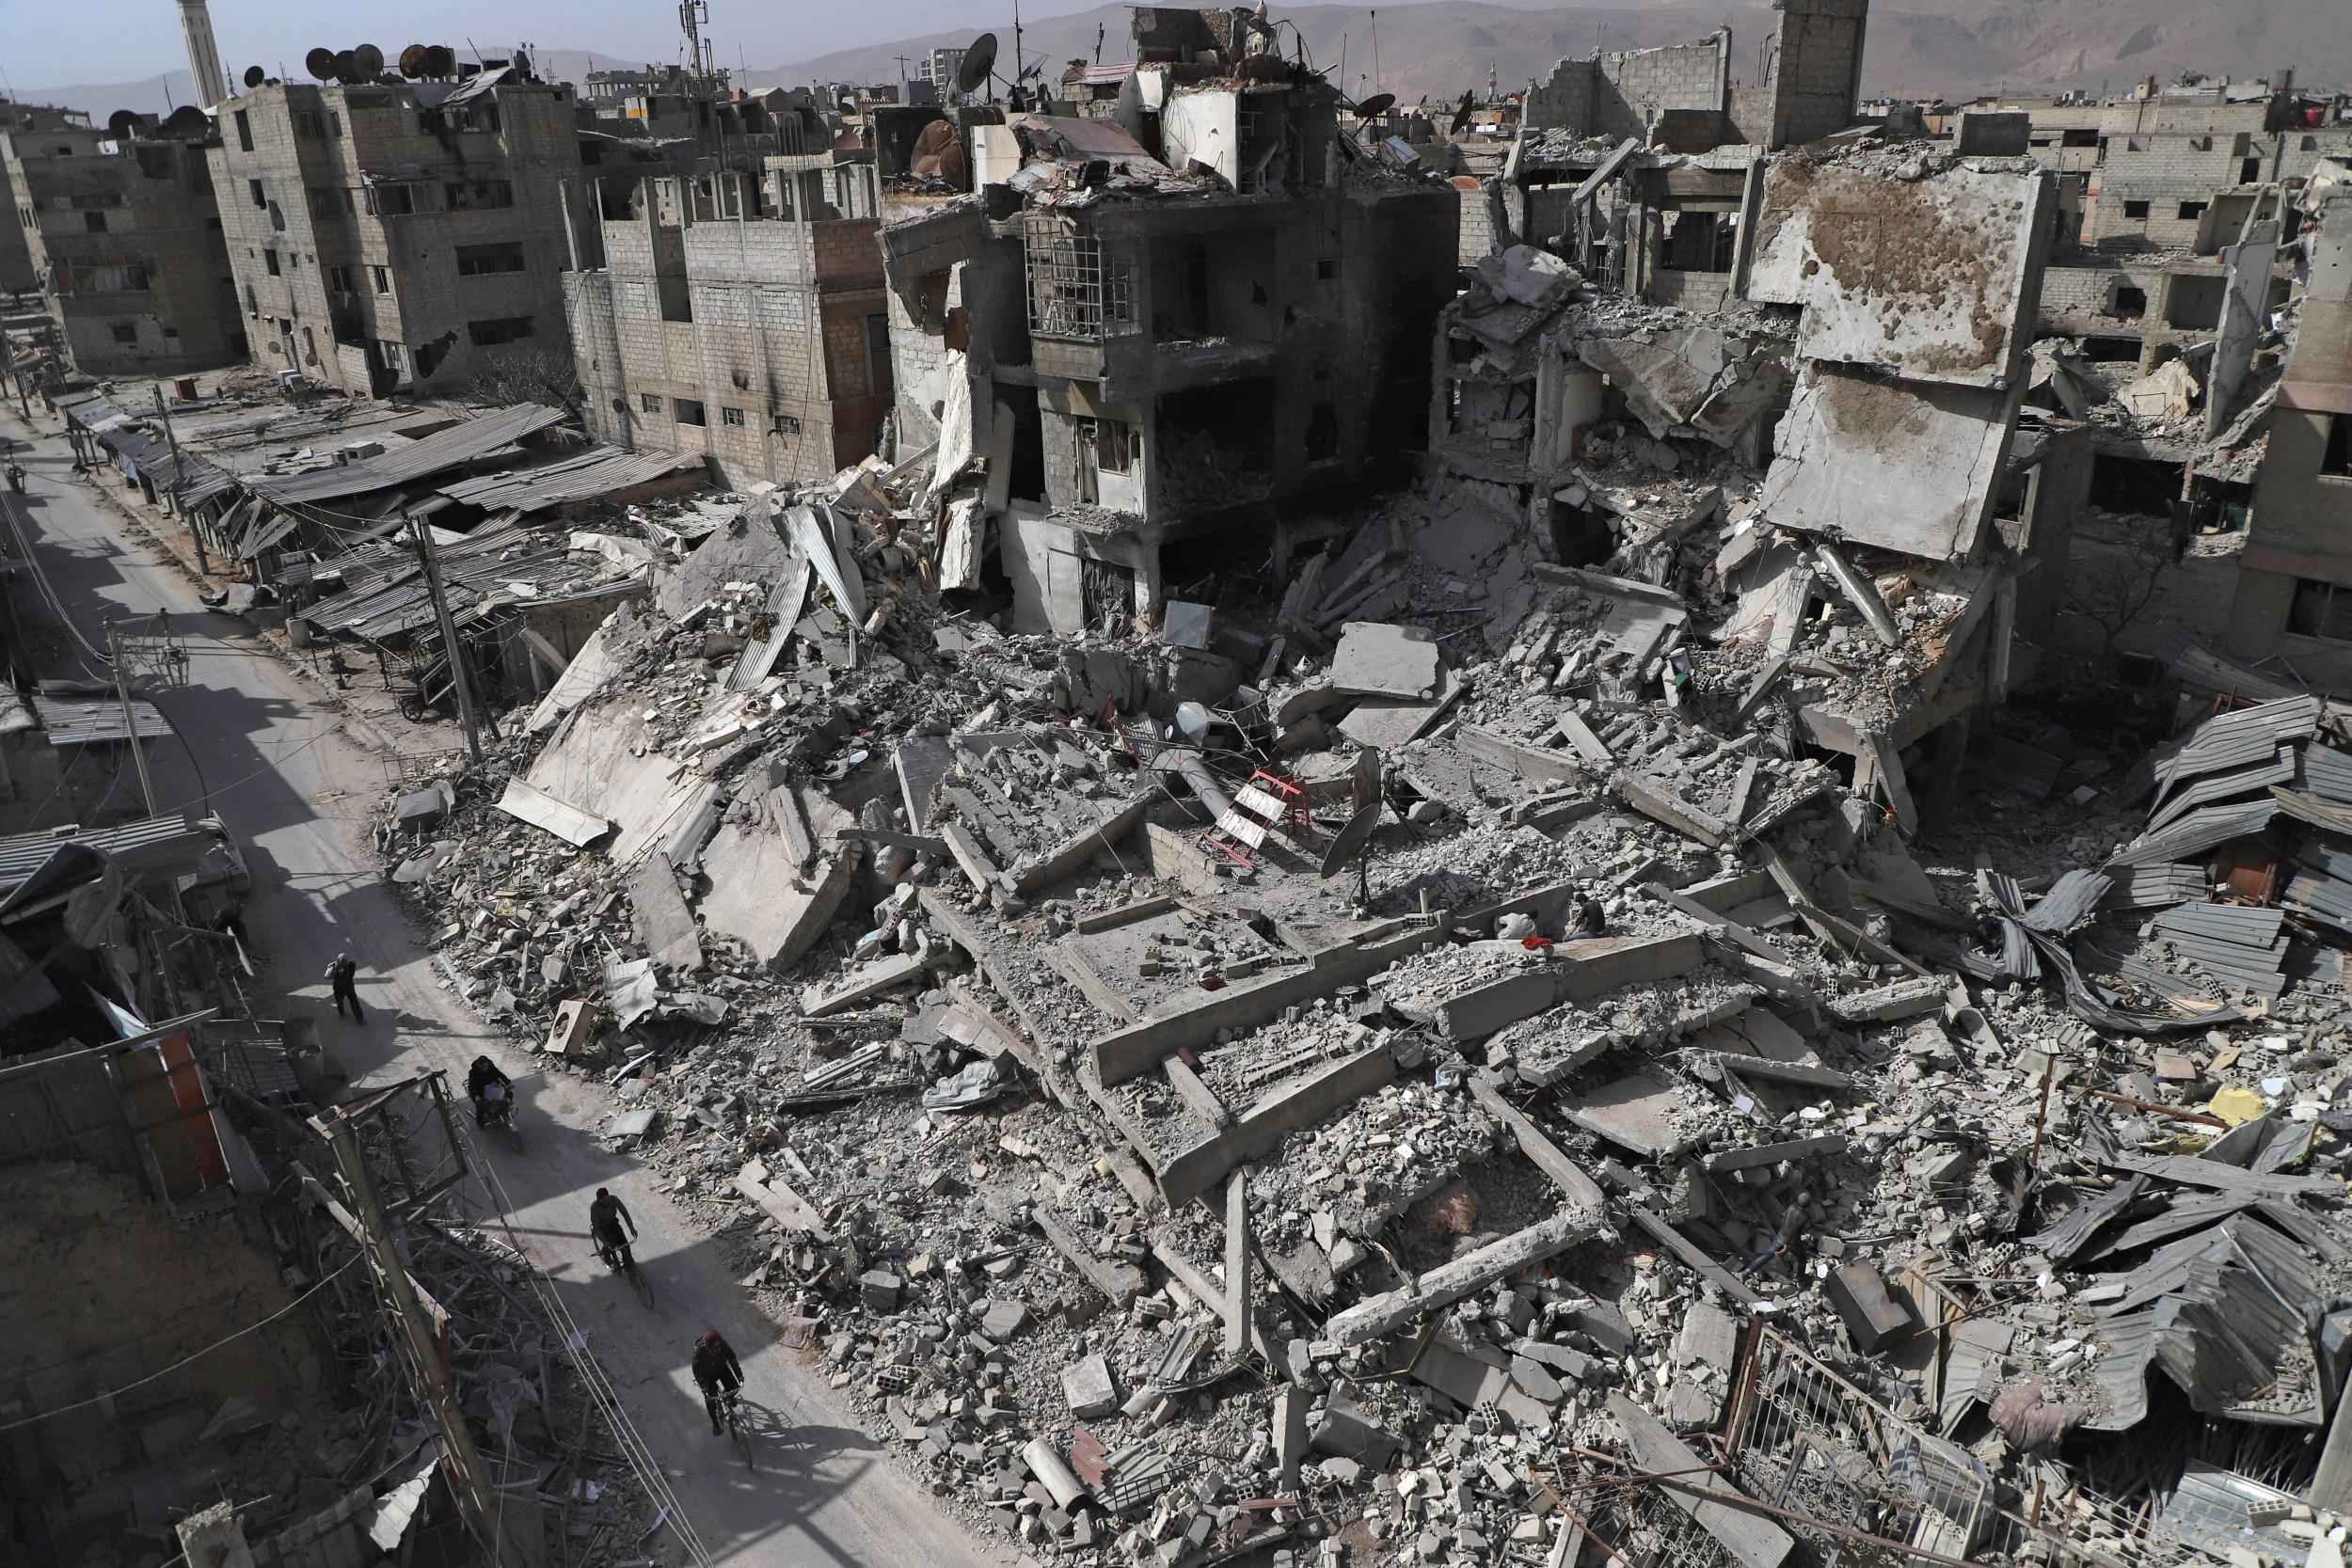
1376,50
1101,29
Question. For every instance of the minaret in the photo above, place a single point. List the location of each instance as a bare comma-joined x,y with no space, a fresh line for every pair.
195,20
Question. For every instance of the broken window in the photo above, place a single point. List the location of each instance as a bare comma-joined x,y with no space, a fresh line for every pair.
1326,268
2127,303
2081,137
339,279
2337,457
689,411
1115,445
94,222
649,402
499,329
244,133
2321,609
2135,209
474,195
1322,432
383,279
307,123
2250,172
260,198
269,260
474,260
126,332
391,200
786,424
2191,211
731,416
1073,294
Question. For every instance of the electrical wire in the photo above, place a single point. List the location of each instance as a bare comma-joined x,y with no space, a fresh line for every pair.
634,1448
115,1393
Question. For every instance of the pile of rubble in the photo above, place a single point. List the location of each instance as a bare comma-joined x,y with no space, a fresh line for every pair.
1373,1089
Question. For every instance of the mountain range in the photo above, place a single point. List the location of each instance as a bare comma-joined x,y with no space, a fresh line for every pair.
1437,48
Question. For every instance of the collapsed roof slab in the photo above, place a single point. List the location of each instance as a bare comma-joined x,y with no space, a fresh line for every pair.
1931,279
1910,467
605,755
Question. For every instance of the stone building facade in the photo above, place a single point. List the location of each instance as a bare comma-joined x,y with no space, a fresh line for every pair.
741,320
124,243
399,234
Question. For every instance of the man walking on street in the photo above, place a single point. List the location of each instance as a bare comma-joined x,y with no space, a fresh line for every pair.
345,976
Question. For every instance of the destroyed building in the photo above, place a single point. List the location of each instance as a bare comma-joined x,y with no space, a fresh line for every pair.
121,234
16,273
389,233
738,316
1177,322
2297,560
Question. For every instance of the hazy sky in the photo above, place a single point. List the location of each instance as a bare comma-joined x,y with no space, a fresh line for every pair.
66,42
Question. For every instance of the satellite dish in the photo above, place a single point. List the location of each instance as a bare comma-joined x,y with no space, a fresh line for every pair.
979,58
255,76
412,60
1350,841
440,62
320,63
1378,105
189,120
370,61
122,123
346,68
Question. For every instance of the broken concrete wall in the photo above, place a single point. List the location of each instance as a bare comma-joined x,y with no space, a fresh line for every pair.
103,1288
1623,93
1817,69
1907,466
1930,278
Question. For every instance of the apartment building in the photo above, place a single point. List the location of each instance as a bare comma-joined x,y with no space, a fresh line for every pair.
2294,578
16,261
398,233
1164,362
123,240
739,316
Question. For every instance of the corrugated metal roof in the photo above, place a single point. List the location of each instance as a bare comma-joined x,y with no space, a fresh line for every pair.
2201,831
82,720
2279,769
162,844
2246,735
2152,887
583,476
2327,772
443,449
2311,809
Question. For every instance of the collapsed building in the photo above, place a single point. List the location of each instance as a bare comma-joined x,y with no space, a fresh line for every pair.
1591,1008
1179,322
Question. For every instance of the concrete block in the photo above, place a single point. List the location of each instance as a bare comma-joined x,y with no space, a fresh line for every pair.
1874,1319
1089,1388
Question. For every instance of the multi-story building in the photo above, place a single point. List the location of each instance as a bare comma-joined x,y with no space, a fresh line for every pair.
1160,361
740,316
123,234
16,260
399,233
2294,578
940,68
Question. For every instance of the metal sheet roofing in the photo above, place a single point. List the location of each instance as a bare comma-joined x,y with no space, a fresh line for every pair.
583,476
82,720
2201,831
443,449
163,844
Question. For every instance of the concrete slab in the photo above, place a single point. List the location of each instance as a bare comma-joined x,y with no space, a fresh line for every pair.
661,918
1921,279
1375,658
1903,466
759,893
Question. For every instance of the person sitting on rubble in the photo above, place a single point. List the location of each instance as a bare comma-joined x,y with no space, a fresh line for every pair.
607,1214
1591,919
479,1078
716,1372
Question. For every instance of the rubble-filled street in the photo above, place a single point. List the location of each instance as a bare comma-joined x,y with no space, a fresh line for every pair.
1248,833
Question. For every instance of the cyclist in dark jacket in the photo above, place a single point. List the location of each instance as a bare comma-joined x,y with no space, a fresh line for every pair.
607,1214
716,1372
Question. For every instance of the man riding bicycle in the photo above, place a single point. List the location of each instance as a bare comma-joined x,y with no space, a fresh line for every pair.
717,1373
605,1217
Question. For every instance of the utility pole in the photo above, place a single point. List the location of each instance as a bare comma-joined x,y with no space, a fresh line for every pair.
8,353
456,655
130,719
196,535
468,1486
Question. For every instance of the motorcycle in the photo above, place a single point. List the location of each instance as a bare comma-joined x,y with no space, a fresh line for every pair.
498,1113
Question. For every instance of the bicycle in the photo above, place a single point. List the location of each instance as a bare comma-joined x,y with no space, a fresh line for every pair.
498,1114
739,1430
622,1258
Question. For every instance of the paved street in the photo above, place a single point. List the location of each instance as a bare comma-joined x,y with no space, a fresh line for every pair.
299,790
